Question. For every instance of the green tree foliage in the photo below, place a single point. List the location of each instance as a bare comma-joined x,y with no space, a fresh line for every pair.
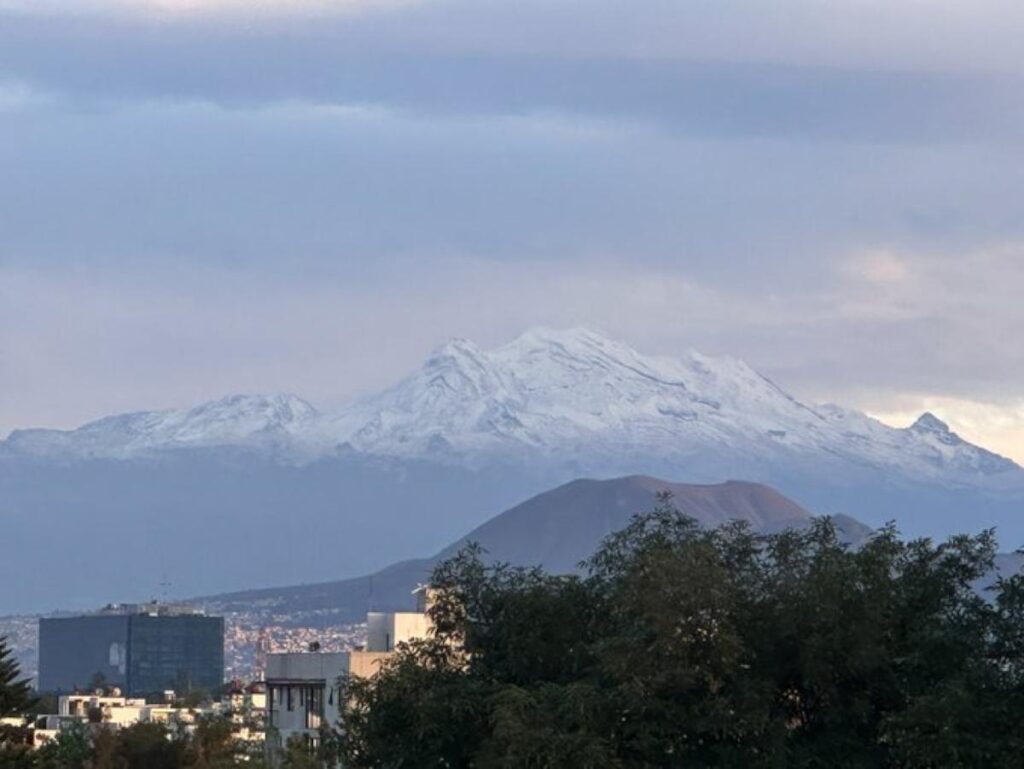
685,647
15,692
150,745
16,700
210,745
17,756
298,755
71,749
213,746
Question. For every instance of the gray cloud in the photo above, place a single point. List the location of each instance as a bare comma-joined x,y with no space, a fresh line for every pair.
394,62
210,201
935,35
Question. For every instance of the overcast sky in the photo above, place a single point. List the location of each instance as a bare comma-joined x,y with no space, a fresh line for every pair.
200,197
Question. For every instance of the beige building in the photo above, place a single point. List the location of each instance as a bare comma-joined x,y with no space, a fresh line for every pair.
386,631
120,711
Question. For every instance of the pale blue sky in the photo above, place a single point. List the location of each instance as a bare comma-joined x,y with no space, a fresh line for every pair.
199,197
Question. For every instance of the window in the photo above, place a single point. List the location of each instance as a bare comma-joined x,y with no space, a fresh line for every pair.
314,707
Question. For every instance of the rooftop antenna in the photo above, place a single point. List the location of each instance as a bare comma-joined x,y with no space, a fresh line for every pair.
165,583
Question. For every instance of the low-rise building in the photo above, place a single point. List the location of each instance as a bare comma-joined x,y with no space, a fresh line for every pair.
245,705
303,688
114,711
96,707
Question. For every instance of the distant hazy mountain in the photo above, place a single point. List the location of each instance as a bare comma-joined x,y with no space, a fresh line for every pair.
255,490
556,529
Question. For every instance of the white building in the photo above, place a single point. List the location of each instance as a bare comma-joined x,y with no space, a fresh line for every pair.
303,691
118,712
303,687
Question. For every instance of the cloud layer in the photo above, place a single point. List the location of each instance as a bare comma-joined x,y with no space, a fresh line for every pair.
204,197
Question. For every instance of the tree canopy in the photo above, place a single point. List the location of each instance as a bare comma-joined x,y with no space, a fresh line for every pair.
687,647
15,700
15,691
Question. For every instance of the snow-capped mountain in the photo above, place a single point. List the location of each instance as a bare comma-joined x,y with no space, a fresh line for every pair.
571,397
239,420
577,396
253,490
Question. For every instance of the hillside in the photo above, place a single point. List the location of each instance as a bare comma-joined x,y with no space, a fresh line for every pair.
556,529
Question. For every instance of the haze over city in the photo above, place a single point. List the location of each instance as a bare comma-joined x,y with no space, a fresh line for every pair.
204,198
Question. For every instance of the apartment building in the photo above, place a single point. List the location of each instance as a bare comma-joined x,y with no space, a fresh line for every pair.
303,691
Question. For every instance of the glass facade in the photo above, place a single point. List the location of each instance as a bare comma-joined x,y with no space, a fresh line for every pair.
83,653
139,653
183,653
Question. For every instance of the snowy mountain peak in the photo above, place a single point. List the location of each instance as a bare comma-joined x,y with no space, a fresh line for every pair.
574,395
929,423
457,348
951,451
579,344
552,398
573,339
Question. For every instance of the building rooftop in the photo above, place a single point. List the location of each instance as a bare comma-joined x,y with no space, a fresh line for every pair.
151,609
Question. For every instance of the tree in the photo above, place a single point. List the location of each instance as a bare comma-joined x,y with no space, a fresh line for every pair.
70,749
195,698
15,692
686,647
149,745
299,755
213,744
15,756
15,700
421,706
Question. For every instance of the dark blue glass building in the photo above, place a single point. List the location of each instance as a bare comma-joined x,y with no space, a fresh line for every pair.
140,649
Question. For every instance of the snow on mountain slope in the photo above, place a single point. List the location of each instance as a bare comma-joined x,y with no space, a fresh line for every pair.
238,420
570,397
576,396
549,391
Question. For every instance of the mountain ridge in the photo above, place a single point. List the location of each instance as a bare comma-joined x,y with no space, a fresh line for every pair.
556,529
542,397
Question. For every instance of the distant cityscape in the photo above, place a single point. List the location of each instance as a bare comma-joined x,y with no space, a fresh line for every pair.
242,634
177,665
